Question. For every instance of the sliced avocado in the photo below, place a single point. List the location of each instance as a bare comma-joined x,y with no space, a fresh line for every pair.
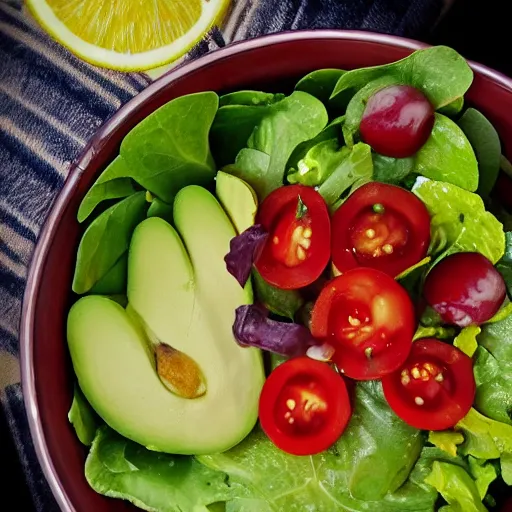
238,199
186,299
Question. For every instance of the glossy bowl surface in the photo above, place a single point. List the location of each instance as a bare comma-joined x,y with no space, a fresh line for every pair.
272,63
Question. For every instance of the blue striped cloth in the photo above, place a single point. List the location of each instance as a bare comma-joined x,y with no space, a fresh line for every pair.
51,103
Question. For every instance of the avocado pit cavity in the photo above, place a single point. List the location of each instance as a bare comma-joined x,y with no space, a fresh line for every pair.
178,372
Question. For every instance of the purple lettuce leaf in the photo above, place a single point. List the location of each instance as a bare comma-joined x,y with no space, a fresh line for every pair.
243,251
253,328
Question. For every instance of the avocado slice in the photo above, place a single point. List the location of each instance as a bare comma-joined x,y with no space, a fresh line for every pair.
238,199
179,288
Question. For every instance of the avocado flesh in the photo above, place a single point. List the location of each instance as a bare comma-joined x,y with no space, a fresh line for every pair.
186,299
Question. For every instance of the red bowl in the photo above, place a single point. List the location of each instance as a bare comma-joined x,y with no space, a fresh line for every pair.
273,63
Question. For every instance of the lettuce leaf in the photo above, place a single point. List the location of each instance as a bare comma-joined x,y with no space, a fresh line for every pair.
487,439
119,468
366,470
466,340
459,221
484,474
456,486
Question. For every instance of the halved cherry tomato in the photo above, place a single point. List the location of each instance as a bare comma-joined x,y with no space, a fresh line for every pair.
380,226
369,320
304,406
297,249
434,389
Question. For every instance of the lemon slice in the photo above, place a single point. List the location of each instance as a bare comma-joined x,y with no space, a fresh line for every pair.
128,35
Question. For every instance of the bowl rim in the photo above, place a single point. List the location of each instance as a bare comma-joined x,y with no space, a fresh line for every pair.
76,169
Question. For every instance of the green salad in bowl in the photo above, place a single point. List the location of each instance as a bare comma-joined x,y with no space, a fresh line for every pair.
291,302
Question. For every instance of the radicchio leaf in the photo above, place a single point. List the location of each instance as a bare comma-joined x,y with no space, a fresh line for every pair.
243,251
253,328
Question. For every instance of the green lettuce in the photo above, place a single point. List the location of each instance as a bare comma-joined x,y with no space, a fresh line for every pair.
466,340
459,221
119,468
456,486
371,467
353,171
318,163
484,473
487,439
446,440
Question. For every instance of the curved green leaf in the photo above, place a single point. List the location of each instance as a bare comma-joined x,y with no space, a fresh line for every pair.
320,83
439,72
106,239
459,222
487,146
448,156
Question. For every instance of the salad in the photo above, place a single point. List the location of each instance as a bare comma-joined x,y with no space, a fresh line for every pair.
300,301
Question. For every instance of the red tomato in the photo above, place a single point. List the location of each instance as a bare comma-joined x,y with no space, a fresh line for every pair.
397,121
380,226
465,289
297,249
304,406
369,320
434,389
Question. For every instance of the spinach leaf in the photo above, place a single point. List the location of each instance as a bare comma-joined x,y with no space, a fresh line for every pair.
159,208
354,170
375,455
114,281
486,439
504,266
456,486
119,468
280,302
453,108
106,240
107,186
169,149
320,83
83,418
296,119
439,72
367,444
251,166
493,371
391,170
485,141
448,156
253,98
275,129
459,222
318,163
357,106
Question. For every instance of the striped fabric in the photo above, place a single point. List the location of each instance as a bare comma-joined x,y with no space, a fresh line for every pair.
50,105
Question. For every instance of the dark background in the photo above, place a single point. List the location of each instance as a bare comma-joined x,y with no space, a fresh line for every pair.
478,29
